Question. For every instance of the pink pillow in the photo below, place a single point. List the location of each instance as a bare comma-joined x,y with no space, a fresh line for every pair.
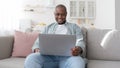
23,42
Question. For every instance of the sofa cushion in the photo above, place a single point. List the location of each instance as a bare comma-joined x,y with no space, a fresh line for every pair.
6,45
12,63
23,42
96,51
103,64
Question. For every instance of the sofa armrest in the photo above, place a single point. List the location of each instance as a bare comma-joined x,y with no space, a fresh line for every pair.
6,45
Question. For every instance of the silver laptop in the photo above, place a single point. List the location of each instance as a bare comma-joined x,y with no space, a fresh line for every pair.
55,44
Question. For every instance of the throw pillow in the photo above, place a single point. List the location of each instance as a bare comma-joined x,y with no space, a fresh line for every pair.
23,42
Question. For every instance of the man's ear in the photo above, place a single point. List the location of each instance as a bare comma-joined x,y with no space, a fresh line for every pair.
66,13
54,13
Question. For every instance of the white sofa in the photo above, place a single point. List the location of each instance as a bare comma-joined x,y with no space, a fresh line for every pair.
98,56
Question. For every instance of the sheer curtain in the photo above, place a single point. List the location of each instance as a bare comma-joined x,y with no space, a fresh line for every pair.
10,13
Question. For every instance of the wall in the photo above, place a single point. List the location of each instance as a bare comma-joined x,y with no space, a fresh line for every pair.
117,14
46,14
105,14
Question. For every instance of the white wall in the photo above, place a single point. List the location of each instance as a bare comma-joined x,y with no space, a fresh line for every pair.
117,14
105,14
41,14
45,15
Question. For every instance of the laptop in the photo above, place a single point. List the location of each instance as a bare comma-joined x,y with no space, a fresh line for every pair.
56,44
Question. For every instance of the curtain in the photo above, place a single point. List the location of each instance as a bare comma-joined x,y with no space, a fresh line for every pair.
10,13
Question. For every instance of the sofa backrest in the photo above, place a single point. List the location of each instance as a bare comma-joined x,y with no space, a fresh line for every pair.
6,45
96,51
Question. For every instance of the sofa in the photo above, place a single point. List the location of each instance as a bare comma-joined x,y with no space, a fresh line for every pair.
98,56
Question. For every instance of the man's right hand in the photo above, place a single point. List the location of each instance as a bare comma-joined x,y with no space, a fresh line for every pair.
36,50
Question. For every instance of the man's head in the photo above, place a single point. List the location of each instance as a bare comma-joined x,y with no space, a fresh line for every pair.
60,14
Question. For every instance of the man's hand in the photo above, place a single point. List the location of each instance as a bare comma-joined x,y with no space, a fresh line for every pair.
76,51
36,50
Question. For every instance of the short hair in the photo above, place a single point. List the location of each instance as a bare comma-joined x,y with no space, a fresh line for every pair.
61,6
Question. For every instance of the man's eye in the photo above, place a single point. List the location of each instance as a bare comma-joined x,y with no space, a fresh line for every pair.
57,14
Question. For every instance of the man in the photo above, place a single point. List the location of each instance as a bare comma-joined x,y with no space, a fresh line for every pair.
36,60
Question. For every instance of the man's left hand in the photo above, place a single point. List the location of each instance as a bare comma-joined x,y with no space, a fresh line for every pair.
76,51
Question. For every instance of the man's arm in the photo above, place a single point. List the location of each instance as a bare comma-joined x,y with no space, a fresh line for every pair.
35,47
76,51
79,40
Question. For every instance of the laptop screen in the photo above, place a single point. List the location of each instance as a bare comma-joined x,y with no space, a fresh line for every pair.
56,44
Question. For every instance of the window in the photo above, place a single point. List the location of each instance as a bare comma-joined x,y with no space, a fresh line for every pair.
82,9
9,14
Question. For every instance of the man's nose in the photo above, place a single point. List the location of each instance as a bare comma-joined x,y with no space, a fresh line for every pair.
60,16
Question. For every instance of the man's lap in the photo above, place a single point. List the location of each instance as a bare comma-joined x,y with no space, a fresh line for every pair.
50,61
